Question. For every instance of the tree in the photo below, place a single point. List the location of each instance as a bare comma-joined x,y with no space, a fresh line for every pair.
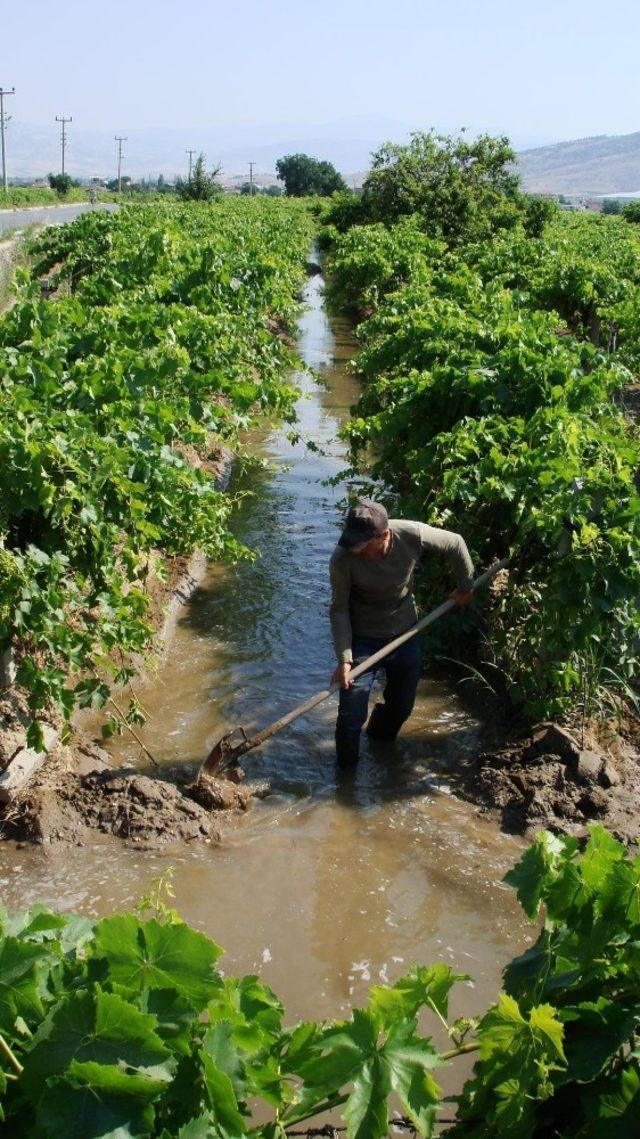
611,206
462,190
201,186
125,183
304,176
631,212
62,183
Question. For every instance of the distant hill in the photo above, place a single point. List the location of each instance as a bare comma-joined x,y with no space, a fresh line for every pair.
606,164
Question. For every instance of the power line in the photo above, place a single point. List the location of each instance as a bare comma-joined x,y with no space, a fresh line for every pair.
4,119
63,135
120,139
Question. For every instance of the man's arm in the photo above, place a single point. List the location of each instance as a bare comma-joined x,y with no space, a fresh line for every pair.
454,548
339,612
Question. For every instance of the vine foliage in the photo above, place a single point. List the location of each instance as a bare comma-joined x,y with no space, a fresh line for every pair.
126,1026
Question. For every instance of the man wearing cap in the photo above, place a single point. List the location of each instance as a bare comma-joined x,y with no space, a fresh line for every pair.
372,602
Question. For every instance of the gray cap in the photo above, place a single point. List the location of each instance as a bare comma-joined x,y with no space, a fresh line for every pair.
365,520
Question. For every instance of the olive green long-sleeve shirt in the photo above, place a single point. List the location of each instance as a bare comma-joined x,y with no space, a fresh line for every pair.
374,598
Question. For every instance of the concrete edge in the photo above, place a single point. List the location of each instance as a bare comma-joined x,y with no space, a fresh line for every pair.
24,765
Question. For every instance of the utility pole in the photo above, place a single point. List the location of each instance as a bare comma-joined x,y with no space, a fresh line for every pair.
251,166
191,154
120,139
63,136
4,119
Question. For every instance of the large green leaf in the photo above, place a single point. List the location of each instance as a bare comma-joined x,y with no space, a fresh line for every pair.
220,1046
518,1055
600,854
365,1112
409,1060
613,1109
594,1033
173,1013
533,873
100,1028
222,1099
507,1038
20,964
98,1101
151,955
356,1053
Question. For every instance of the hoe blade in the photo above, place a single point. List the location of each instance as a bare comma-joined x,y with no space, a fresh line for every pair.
223,752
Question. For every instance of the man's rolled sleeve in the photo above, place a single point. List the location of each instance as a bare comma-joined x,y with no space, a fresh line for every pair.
339,610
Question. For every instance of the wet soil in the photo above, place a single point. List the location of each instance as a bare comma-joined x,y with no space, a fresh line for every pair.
78,794
537,781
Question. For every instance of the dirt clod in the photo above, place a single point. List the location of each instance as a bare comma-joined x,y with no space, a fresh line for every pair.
218,794
589,765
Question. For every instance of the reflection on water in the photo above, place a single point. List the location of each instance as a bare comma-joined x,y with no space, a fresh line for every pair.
323,888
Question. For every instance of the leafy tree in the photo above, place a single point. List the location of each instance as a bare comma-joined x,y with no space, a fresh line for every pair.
462,190
273,191
125,183
344,210
249,188
304,176
631,212
611,206
201,186
62,183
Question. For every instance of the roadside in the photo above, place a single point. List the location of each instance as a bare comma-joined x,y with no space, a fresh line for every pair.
11,256
57,214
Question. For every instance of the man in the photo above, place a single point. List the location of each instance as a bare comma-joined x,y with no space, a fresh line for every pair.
372,602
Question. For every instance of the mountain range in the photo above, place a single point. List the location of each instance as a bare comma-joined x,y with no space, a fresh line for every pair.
606,164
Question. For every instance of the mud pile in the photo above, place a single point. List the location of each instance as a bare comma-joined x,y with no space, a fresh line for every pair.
146,812
547,780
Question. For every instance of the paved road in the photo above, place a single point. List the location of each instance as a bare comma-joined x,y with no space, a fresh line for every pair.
48,215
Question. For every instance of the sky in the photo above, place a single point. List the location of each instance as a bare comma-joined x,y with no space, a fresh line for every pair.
539,71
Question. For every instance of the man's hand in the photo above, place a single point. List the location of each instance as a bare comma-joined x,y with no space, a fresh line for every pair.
461,597
341,675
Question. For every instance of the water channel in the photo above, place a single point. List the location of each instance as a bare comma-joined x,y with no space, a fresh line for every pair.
323,887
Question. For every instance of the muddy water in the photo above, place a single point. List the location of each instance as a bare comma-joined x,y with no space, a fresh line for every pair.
323,887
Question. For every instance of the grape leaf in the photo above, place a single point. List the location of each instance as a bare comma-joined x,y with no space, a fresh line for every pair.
222,1099
98,1101
153,955
100,1028
614,1109
20,962
220,1046
533,873
425,985
594,1031
355,1053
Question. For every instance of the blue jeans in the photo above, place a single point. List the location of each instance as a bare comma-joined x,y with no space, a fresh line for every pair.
402,669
